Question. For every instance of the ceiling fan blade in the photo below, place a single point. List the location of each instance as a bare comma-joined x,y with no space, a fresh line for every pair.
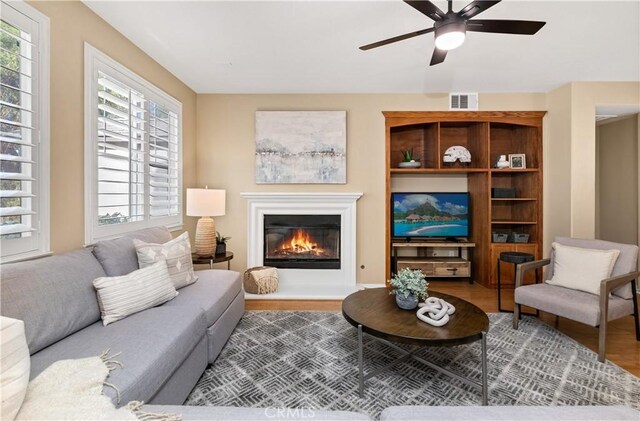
427,8
518,27
476,7
396,39
438,56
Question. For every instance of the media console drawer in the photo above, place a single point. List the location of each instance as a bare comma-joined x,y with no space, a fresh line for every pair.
438,268
452,268
426,267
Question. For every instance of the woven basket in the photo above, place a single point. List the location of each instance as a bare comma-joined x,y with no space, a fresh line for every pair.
254,283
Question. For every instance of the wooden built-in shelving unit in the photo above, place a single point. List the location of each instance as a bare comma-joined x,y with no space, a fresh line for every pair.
486,135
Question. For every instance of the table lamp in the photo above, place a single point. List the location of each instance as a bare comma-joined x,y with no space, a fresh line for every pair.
205,203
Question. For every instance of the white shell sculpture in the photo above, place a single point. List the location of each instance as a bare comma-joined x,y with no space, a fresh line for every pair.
437,309
456,153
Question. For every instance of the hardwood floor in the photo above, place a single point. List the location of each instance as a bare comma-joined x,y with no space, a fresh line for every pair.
622,347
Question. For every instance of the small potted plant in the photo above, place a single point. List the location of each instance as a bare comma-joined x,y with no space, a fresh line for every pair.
409,159
221,243
409,287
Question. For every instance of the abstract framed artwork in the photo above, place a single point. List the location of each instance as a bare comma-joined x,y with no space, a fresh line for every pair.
301,147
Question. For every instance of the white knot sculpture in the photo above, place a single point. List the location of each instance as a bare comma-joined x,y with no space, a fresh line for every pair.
437,311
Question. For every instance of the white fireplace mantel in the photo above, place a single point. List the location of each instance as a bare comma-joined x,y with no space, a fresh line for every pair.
306,283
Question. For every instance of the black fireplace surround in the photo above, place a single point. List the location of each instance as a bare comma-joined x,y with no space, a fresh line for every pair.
302,241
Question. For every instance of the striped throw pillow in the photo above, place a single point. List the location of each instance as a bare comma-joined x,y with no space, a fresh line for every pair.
176,252
121,296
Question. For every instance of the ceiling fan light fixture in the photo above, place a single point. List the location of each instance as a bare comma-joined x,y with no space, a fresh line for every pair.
450,35
450,28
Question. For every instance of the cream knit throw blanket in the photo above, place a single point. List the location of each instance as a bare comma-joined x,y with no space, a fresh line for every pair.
72,390
266,280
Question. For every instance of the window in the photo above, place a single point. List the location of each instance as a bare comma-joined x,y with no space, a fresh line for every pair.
24,132
133,151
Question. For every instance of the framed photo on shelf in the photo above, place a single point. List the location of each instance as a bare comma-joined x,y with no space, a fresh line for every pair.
517,161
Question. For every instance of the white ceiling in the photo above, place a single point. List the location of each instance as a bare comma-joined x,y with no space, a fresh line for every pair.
607,112
312,46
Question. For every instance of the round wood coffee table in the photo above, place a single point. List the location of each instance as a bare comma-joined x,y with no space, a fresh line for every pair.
374,311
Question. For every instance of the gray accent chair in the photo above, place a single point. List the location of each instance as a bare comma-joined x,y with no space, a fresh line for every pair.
618,296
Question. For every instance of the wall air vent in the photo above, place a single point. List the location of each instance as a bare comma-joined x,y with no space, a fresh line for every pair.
463,102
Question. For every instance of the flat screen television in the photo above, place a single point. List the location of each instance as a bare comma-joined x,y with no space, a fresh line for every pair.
423,215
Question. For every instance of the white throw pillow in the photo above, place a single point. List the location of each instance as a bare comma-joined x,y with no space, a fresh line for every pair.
581,269
15,364
121,296
176,252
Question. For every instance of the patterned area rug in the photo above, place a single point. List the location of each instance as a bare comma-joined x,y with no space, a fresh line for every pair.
309,360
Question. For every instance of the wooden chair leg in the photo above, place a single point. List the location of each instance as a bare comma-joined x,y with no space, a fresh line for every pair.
516,315
602,330
636,316
602,342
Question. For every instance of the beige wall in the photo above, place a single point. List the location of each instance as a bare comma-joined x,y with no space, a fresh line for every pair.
570,154
557,167
617,180
585,96
72,23
226,146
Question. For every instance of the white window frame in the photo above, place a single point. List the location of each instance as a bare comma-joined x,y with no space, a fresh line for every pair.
95,61
38,244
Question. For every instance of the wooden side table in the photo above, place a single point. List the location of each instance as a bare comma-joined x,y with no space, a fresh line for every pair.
210,260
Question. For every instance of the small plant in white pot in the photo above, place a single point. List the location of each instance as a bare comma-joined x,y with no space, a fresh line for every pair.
409,159
409,287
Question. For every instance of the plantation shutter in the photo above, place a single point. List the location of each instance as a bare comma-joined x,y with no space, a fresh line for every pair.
16,133
121,152
133,158
163,162
23,154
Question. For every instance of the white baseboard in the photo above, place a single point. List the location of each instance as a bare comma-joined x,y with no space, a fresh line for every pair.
311,292
369,286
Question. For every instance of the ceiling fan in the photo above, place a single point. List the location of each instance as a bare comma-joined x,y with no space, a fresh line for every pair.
450,28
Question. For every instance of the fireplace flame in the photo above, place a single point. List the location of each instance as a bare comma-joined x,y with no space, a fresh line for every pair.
301,242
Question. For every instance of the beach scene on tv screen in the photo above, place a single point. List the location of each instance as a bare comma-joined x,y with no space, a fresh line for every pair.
430,215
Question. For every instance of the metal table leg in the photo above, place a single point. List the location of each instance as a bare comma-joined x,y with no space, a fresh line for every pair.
499,290
485,389
536,272
360,362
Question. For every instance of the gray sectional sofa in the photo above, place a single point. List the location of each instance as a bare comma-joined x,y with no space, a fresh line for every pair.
164,350
508,413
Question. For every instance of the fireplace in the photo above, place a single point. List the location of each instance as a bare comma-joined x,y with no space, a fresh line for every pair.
302,241
296,283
